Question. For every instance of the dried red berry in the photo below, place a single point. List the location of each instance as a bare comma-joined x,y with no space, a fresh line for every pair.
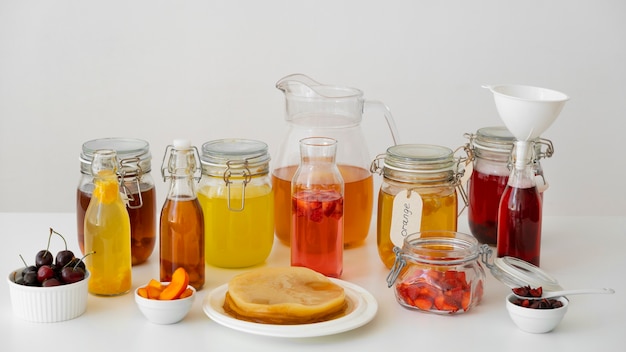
527,291
536,292
521,291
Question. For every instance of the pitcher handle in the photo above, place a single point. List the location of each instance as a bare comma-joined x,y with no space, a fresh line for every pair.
388,117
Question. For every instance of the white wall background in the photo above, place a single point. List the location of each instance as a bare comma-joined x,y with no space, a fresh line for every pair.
71,71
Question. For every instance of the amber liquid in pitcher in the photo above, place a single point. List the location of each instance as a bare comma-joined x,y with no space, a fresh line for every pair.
358,201
142,223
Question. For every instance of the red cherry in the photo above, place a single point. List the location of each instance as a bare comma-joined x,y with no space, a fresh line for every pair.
51,282
44,272
70,274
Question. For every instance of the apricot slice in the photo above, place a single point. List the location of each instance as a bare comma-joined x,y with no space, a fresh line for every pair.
153,292
180,281
188,292
156,284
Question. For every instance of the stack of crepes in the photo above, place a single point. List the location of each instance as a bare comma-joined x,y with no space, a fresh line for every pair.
284,295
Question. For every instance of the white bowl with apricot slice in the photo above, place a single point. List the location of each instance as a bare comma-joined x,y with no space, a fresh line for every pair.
166,302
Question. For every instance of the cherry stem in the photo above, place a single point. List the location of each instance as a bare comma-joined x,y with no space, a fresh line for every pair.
64,241
49,237
81,259
26,265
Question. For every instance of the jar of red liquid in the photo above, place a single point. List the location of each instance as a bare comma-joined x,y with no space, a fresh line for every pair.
438,272
491,149
138,187
418,193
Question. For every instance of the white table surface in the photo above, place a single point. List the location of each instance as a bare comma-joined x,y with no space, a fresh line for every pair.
578,251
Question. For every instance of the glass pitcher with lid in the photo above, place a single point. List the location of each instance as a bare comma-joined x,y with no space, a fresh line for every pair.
318,110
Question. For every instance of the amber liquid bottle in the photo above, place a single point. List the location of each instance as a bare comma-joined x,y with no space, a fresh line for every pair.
182,221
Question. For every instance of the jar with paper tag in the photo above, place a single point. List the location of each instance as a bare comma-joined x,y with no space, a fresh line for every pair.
419,193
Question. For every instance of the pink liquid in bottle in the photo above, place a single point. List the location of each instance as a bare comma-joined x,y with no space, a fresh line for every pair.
317,234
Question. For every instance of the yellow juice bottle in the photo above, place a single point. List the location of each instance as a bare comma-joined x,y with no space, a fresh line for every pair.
107,231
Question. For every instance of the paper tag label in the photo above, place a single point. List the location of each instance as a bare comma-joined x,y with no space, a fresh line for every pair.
406,216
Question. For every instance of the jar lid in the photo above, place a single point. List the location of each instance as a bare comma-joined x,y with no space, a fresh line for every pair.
127,149
235,154
424,158
515,272
495,138
440,247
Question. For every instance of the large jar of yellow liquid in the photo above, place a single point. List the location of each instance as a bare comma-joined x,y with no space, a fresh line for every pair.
418,194
237,200
107,230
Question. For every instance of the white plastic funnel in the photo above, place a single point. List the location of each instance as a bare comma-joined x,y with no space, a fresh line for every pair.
525,110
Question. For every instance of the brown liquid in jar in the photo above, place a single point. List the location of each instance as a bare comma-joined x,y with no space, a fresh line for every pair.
142,223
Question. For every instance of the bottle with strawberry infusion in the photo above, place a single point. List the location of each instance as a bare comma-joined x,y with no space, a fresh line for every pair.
317,208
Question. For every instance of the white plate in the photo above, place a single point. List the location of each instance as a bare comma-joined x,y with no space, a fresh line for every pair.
362,310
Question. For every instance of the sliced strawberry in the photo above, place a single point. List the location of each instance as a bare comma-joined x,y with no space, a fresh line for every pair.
466,300
316,215
329,208
423,303
439,302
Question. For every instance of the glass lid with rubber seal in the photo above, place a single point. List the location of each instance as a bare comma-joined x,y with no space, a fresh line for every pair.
514,272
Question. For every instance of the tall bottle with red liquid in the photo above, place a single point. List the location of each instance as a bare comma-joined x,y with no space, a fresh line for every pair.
527,111
317,209
182,220
520,211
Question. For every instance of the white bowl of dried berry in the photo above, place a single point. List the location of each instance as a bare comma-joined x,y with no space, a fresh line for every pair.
533,313
52,289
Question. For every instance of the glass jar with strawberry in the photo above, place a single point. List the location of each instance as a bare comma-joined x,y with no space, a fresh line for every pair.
438,273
